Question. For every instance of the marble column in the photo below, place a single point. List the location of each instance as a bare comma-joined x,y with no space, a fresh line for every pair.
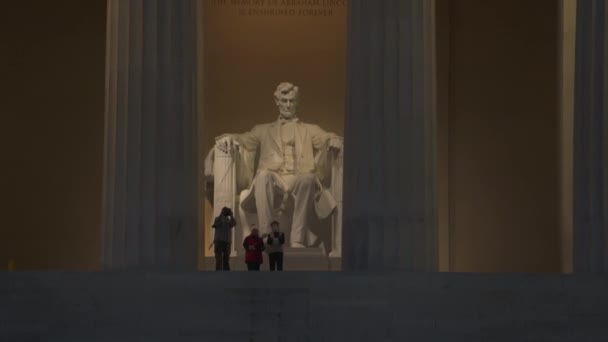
389,161
591,138
150,212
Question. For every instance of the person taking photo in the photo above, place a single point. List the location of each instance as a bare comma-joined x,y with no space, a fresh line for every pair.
222,239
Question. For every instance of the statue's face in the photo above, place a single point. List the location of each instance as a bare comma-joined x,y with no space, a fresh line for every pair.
287,104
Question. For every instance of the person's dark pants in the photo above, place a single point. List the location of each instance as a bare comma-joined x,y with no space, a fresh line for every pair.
253,266
222,255
276,261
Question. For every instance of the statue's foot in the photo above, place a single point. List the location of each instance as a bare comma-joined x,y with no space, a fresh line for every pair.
335,254
297,245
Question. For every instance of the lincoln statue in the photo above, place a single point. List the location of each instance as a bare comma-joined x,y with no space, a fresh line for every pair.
291,158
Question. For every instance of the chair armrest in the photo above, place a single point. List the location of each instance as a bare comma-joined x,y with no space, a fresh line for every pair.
337,169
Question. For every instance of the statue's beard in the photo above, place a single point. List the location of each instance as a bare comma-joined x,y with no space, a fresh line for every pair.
288,113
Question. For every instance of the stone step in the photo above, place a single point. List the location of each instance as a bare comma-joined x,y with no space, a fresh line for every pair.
292,261
301,306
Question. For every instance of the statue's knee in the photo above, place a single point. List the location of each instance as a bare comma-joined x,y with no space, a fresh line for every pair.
263,177
307,179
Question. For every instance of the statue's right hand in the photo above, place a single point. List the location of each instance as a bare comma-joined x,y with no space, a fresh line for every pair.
226,143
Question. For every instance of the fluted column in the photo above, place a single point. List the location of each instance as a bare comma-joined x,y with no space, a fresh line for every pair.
591,138
389,201
151,136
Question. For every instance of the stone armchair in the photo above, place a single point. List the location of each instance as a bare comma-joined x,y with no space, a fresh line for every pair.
229,172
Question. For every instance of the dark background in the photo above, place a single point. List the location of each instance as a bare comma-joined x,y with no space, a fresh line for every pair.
499,117
498,114
52,133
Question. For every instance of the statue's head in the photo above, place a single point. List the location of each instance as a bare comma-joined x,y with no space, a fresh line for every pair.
286,98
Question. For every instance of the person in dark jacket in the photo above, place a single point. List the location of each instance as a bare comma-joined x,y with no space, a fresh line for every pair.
222,239
254,246
275,242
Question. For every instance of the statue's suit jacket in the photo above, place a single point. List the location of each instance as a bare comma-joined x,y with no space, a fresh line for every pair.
310,143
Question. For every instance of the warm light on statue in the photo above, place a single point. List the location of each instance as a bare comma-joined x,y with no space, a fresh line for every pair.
278,166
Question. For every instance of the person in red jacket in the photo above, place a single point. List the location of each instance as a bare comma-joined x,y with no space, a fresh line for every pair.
254,246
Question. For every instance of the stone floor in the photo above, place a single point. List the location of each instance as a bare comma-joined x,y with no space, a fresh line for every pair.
302,306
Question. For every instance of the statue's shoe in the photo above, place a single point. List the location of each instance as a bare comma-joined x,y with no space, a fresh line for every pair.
297,245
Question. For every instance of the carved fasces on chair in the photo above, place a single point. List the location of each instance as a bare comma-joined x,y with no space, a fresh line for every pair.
337,169
224,174
230,169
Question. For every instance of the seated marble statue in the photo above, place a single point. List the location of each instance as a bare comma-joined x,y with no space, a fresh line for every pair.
290,158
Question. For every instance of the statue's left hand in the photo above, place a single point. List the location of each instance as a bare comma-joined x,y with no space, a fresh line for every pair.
336,143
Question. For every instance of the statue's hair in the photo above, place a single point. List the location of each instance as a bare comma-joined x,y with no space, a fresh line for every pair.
285,88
